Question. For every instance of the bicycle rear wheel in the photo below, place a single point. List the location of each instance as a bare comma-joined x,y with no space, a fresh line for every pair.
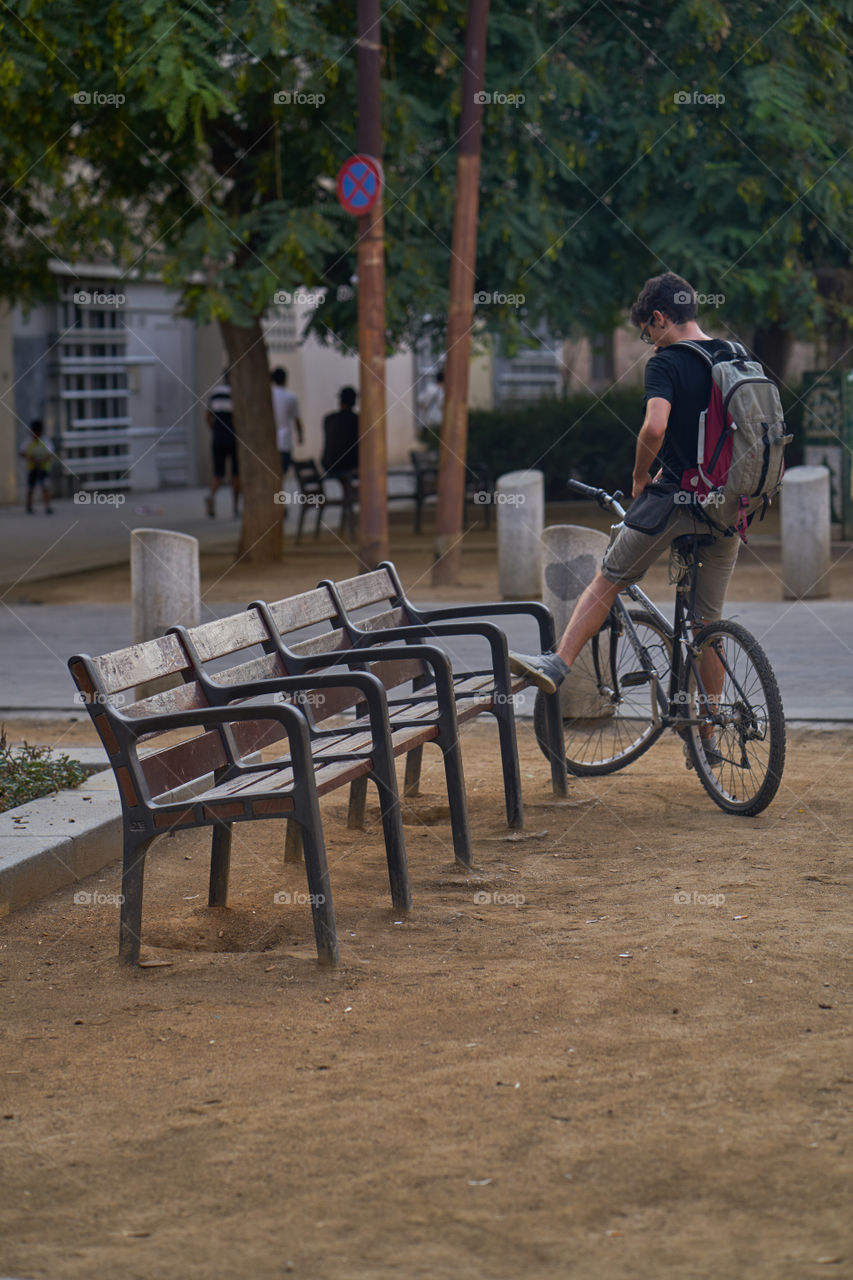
607,699
748,718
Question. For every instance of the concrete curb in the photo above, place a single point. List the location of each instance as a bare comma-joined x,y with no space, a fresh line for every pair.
57,841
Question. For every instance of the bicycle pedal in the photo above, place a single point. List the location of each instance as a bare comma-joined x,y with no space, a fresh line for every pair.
632,678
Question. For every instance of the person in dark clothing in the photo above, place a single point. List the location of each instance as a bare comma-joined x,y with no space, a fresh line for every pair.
340,438
678,388
223,443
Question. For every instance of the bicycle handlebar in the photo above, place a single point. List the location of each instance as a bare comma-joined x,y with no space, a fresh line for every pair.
607,501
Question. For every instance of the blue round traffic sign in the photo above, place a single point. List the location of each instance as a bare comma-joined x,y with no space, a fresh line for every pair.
359,184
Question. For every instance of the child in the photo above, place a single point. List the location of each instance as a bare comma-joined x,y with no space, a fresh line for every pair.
37,456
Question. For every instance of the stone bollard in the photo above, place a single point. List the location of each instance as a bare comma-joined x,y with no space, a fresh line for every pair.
520,500
805,533
571,557
164,582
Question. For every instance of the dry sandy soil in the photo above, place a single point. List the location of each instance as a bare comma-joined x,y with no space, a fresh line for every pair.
617,1050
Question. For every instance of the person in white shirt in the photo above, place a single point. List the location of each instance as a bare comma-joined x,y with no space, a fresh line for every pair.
285,407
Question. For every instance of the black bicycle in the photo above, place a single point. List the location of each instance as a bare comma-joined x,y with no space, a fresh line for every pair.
641,675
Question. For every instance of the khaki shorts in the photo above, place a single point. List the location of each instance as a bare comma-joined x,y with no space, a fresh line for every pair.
631,553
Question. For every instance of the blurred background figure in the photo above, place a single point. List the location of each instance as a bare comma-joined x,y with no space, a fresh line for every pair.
37,455
340,437
285,407
431,406
223,442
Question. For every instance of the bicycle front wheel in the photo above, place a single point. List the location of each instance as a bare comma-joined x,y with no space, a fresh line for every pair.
731,681
607,700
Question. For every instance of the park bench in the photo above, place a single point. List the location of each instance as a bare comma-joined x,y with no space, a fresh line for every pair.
279,642
374,607
213,778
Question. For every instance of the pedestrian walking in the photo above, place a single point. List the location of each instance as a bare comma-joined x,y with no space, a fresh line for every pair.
223,442
37,454
285,407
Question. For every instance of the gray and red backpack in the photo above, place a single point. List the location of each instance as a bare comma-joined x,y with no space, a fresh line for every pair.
741,441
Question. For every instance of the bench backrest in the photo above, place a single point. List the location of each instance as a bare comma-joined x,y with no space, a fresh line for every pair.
369,601
294,615
108,685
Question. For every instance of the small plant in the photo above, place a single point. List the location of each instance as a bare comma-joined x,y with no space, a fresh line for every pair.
26,773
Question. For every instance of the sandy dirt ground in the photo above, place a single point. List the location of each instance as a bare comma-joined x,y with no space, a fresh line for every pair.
619,1049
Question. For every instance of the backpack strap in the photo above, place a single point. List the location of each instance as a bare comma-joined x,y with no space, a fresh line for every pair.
699,351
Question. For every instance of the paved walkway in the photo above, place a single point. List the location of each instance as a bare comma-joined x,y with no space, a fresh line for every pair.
809,645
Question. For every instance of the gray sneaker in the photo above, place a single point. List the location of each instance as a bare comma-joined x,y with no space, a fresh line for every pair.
712,752
546,670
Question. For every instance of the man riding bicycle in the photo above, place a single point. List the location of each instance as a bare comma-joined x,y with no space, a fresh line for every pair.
677,391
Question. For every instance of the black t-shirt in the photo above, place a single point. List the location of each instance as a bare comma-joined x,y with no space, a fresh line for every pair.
340,449
682,378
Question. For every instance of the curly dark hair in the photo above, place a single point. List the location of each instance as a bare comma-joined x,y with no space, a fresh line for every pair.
670,294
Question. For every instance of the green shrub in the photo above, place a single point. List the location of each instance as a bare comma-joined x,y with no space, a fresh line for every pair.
26,773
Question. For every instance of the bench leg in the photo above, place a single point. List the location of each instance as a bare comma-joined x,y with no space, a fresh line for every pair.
130,919
220,865
395,844
293,842
505,716
357,804
554,721
412,779
458,803
319,885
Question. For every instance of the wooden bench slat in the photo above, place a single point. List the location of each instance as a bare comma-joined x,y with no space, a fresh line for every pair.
140,663
228,635
366,589
304,610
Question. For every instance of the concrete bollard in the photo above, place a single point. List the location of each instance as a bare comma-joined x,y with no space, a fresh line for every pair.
520,500
164,582
571,557
805,533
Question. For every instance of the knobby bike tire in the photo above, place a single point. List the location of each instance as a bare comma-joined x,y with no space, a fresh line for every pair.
601,744
752,738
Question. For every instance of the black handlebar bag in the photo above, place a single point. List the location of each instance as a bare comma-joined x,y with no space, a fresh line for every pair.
650,512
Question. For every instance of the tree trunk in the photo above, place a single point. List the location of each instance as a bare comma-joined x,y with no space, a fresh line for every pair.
453,445
372,430
772,346
254,426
